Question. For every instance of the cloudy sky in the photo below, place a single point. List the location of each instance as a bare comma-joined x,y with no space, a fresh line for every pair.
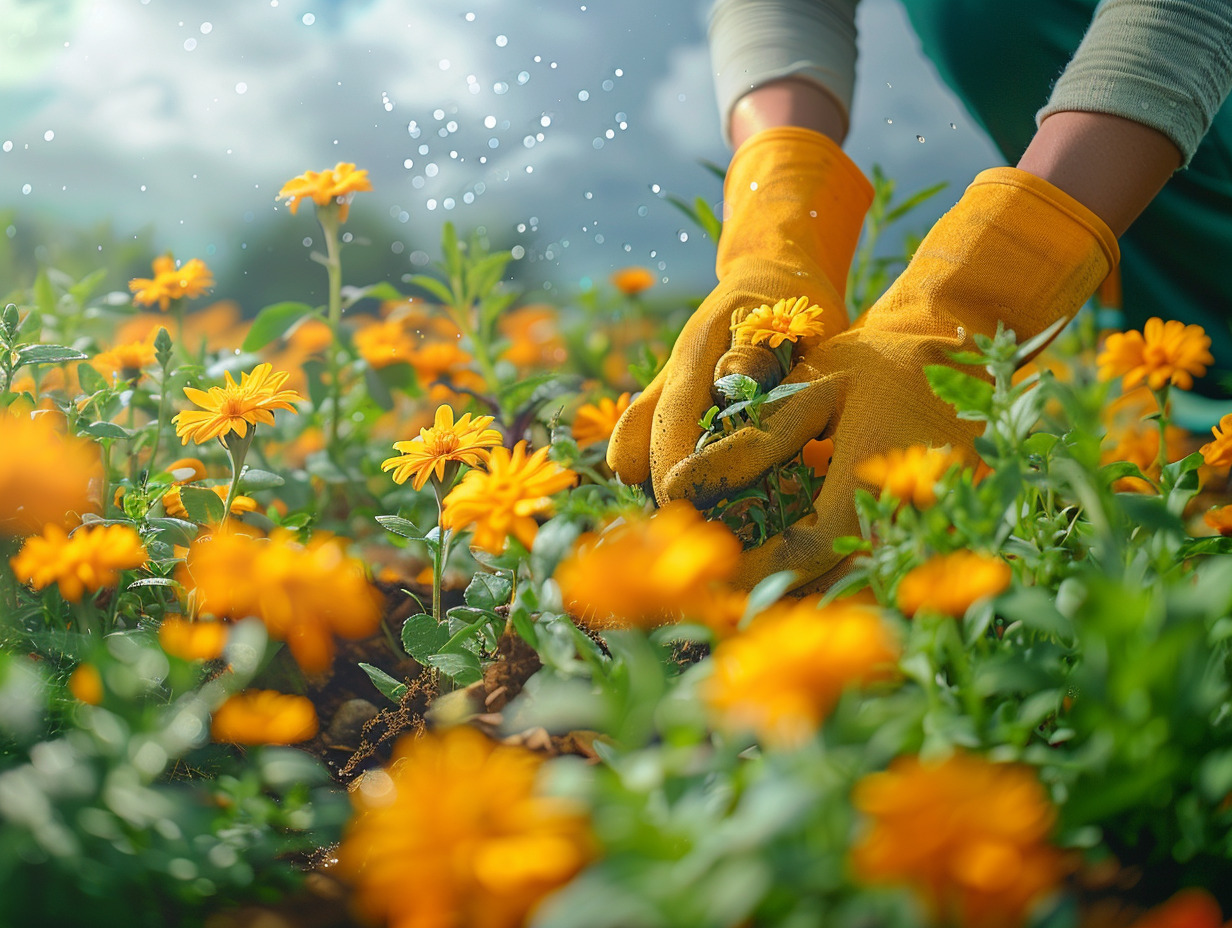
558,125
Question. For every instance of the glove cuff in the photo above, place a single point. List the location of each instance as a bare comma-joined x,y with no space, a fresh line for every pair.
1058,199
793,191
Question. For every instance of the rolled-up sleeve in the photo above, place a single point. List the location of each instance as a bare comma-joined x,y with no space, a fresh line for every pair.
753,42
1164,63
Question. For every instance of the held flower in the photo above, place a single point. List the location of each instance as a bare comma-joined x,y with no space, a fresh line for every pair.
786,320
89,559
444,443
264,717
324,188
594,422
235,407
911,474
504,499
645,569
784,674
949,584
968,836
454,832
1162,353
188,281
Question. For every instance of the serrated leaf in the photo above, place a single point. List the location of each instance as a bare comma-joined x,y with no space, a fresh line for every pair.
48,354
422,637
391,689
254,479
273,321
203,506
965,393
487,591
463,667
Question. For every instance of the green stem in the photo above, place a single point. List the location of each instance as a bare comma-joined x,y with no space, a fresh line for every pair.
961,661
328,217
1161,399
162,421
441,554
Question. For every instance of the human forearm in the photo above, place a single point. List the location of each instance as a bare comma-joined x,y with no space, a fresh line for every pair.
1112,165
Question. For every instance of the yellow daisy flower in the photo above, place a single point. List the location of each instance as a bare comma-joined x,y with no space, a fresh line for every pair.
89,559
333,185
234,407
504,499
188,281
595,422
445,442
786,320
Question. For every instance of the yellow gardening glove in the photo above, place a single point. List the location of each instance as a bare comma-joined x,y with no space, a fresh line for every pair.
794,205
1016,250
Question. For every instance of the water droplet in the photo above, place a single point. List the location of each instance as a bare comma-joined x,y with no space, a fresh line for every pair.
430,169
397,247
517,252
952,126
812,214
489,122
408,163
443,64
888,84
528,142
500,87
25,189
889,121
523,77
493,143
596,143
307,243
448,203
412,129
431,204
48,135
207,28
451,126
423,149
189,44
920,139
583,95
530,169
753,185
655,188
619,72
8,145
502,41
470,17
682,235
308,19
241,88
545,121
642,211
607,85
468,197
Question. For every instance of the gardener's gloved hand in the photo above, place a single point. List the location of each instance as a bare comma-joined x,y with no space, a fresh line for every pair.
1014,249
794,205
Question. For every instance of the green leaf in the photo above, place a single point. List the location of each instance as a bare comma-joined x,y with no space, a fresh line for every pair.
1029,348
154,581
382,290
273,321
737,387
400,526
1217,544
422,636
706,422
174,531
391,689
553,541
90,379
202,505
84,288
377,389
850,544
433,286
44,293
105,430
451,251
253,479
767,592
913,201
784,390
1110,473
48,354
965,393
487,591
463,667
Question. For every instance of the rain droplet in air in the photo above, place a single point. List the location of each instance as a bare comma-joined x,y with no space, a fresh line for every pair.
889,121
682,235
207,28
25,189
8,145
48,135
583,95
189,44
545,121
308,19
952,126
523,77
500,87
502,41
920,139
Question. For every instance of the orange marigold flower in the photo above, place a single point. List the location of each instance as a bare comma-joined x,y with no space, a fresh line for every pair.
234,407
188,281
949,583
968,836
445,443
1220,519
173,504
89,559
594,422
333,185
384,343
784,674
1162,353
817,454
192,641
1218,453
719,608
186,470
633,280
442,365
1189,908
303,593
124,361
504,499
911,474
264,717
1138,443
644,570
786,320
86,684
534,336
454,832
45,473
